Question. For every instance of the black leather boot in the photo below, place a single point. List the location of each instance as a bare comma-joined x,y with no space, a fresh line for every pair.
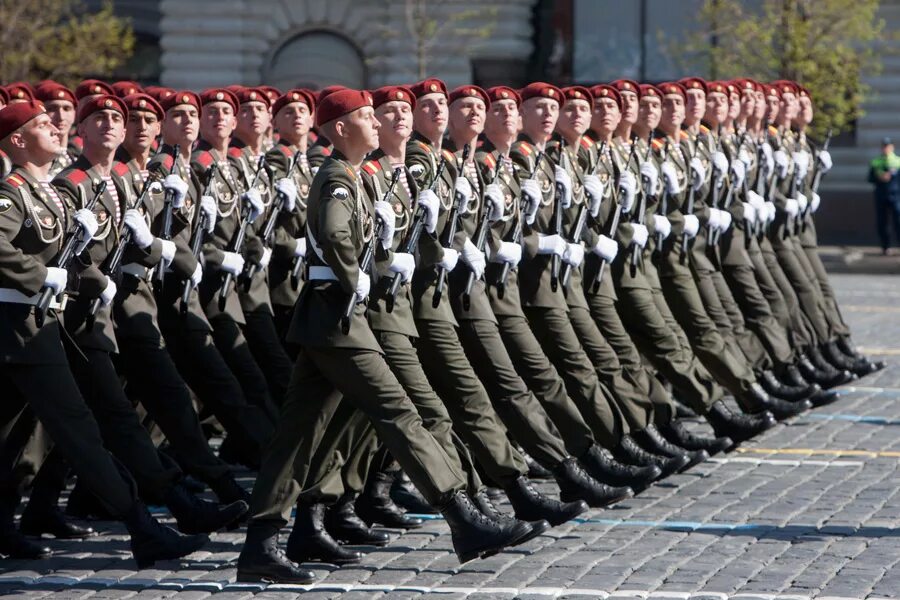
475,535
823,373
575,484
200,516
740,427
310,541
602,466
375,504
12,543
38,520
629,451
228,490
774,387
656,443
405,494
757,400
152,541
483,502
847,348
858,366
824,397
793,377
535,470
676,432
345,526
531,505
262,561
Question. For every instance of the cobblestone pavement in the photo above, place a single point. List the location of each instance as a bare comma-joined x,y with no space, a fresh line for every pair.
808,510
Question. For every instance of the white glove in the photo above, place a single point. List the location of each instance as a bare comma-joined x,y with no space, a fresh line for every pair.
649,172
782,163
385,214
594,188
745,158
493,197
724,220
640,234
233,263
56,279
462,190
698,173
363,285
197,275
801,163
265,258
563,179
109,292
749,212
738,171
574,255
210,209
627,191
140,233
770,211
715,219
531,198
300,248
720,165
168,253
474,258
509,252
814,202
448,262
670,177
256,204
286,186
825,162
757,202
178,186
802,202
404,264
430,203
606,248
662,225
792,207
691,225
88,223
551,244
768,158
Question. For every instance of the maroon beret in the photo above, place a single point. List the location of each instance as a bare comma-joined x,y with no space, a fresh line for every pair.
20,91
291,96
672,87
650,91
16,115
246,94
626,85
49,91
144,102
578,92
339,103
784,87
327,90
539,89
694,83
180,97
219,95
271,92
393,93
93,87
429,86
717,87
604,90
102,102
469,91
502,92
126,88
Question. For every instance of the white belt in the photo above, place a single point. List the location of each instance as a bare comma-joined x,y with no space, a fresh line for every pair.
135,270
12,296
321,274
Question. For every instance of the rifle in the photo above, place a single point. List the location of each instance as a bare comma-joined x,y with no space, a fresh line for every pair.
368,256
663,200
718,180
817,179
557,229
238,242
480,238
517,231
412,238
252,269
65,256
685,240
197,239
447,238
642,208
580,222
614,223
166,233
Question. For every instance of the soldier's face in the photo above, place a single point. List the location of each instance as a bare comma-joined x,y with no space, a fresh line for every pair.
395,120
716,107
575,117
748,104
39,138
774,106
253,119
292,121
760,107
217,121
650,112
62,113
672,112
606,116
467,117
181,125
629,107
789,106
104,129
539,116
430,115
141,129
806,110
695,106
502,119
734,106
361,127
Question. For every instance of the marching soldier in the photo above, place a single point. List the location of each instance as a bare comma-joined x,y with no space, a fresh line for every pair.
60,102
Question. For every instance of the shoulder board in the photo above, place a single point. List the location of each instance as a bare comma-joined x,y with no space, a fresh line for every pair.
15,180
76,176
682,134
167,161
490,161
704,129
658,144
120,169
526,148
423,145
586,142
235,152
326,150
448,155
479,143
371,167
284,149
204,159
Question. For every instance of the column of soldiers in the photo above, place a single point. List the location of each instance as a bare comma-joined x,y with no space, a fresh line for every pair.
413,296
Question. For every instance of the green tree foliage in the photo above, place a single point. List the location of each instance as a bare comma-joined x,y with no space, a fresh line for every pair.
59,39
823,44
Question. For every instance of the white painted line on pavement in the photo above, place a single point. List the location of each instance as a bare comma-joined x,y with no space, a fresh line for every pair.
786,463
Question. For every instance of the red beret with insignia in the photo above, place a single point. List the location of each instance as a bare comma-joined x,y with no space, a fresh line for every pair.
626,85
158,93
745,85
694,83
785,87
539,89
93,87
246,95
145,103
393,93
340,103
271,92
126,88
717,87
578,92
469,91
50,91
672,88
804,91
16,115
180,97
649,91
102,102
295,95
328,89
429,86
219,95
605,90
20,91
501,92
771,91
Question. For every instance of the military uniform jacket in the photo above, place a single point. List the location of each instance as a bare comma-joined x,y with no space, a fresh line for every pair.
340,221
77,184
667,149
423,160
318,152
780,228
290,226
623,276
597,158
703,145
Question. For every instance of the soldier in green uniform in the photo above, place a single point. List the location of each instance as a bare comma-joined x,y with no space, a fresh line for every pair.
60,102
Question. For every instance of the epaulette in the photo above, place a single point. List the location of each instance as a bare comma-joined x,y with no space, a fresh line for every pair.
682,134
704,129
326,150
658,144
447,154
76,142
479,143
526,148
371,167
586,142
423,146
15,180
235,152
120,169
285,149
313,136
204,158
167,161
490,161
76,176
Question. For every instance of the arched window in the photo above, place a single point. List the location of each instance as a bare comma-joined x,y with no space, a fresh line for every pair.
316,59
